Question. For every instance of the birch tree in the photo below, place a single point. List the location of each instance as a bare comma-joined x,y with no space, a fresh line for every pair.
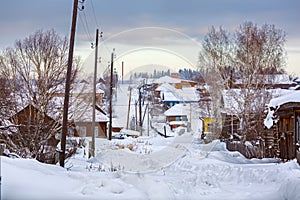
252,55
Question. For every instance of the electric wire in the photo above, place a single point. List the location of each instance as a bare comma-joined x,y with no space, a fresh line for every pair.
86,23
93,10
85,29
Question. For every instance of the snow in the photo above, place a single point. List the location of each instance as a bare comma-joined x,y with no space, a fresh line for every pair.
79,110
268,122
167,79
170,93
197,171
272,79
291,97
275,103
85,87
152,167
179,110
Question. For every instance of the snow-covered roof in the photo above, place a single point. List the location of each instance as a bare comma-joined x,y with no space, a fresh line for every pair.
291,97
170,93
167,79
170,96
165,87
79,110
272,79
232,101
178,110
84,87
297,80
189,94
279,79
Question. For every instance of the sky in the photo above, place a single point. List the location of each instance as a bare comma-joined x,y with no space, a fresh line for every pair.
143,33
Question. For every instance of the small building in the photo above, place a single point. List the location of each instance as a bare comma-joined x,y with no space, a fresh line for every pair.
175,82
283,122
84,90
178,115
171,96
184,115
81,117
36,127
270,81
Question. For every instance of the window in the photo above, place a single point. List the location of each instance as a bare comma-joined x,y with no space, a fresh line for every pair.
96,131
81,131
297,134
71,132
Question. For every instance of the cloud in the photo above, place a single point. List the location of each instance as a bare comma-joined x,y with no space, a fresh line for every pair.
21,18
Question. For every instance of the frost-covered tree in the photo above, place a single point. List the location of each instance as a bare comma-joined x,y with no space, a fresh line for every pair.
35,70
251,56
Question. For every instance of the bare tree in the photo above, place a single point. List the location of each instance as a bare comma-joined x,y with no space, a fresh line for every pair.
213,59
35,69
258,54
250,56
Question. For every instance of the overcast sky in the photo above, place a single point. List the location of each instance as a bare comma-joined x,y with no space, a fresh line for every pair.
184,22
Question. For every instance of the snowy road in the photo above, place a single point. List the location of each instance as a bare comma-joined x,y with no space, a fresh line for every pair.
197,174
157,168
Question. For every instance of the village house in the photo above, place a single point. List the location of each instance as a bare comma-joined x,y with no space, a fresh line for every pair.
170,96
283,123
84,90
177,116
269,81
184,115
175,82
81,115
36,127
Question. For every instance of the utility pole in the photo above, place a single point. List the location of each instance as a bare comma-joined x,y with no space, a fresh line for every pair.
129,102
140,109
67,89
94,96
122,71
148,119
111,94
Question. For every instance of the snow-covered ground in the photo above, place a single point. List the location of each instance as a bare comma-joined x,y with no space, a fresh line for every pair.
200,171
151,167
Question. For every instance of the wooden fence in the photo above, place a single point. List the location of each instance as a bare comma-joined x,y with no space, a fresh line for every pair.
249,151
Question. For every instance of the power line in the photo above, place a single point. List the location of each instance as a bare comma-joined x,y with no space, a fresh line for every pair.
85,29
86,23
97,24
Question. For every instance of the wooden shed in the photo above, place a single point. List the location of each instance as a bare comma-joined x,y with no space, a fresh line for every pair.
284,118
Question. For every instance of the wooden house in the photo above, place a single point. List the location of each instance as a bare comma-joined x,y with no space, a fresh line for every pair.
175,82
32,119
84,91
170,96
38,127
283,122
184,115
81,117
177,115
270,81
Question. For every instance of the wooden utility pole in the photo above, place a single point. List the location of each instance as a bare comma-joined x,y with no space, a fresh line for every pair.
67,89
136,122
94,96
129,102
122,71
111,95
148,119
140,109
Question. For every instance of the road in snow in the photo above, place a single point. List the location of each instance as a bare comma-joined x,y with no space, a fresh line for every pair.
182,167
196,174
